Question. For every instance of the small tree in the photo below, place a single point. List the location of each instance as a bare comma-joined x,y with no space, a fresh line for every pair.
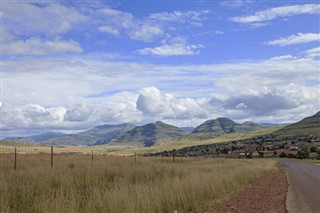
302,154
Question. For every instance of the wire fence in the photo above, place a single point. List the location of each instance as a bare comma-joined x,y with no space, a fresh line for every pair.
47,150
21,157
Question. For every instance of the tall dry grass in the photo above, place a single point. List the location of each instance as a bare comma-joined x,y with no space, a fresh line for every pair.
117,184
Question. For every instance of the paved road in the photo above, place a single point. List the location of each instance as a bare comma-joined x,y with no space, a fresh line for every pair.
304,187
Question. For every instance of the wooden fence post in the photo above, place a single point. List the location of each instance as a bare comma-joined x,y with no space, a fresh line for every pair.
15,158
174,156
51,156
135,158
91,157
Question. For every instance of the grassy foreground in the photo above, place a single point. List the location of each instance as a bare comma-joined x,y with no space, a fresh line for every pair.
118,184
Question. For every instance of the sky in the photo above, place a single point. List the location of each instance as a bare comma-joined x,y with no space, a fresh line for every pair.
67,66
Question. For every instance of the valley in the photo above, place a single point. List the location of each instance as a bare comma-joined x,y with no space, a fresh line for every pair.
216,137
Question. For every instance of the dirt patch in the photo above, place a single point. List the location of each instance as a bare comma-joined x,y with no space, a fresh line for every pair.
268,195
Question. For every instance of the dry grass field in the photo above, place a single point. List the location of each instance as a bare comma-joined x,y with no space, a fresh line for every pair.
119,184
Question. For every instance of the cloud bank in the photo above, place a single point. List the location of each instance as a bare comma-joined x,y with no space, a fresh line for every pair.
282,90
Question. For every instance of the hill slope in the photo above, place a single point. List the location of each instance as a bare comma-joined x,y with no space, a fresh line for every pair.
149,134
306,127
220,126
96,136
36,138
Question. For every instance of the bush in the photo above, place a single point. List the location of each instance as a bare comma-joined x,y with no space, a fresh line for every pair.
302,154
283,155
290,155
261,154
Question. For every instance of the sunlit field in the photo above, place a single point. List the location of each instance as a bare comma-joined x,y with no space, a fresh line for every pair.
122,184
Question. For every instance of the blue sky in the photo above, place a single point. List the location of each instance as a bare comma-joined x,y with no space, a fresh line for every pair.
68,66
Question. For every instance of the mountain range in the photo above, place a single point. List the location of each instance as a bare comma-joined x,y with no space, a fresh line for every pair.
98,135
143,136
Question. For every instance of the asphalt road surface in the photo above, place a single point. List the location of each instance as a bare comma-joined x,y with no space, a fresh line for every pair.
304,187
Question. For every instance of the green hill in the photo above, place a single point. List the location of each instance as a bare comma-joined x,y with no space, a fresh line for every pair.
220,126
149,134
306,127
247,126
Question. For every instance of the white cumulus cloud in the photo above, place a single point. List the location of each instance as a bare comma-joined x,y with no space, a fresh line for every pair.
165,106
79,112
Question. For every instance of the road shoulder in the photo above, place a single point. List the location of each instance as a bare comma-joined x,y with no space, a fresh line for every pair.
267,195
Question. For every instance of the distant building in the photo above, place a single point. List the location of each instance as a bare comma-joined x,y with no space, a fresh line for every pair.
293,148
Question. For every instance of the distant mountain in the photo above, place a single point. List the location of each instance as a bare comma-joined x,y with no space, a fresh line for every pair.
36,138
247,126
150,134
274,124
187,129
306,127
216,127
96,136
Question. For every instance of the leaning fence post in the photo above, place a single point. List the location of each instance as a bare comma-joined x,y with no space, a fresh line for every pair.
15,158
51,156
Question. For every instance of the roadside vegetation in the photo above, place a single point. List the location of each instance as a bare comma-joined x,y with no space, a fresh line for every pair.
121,184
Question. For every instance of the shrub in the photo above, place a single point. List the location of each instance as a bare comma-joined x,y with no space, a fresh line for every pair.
283,155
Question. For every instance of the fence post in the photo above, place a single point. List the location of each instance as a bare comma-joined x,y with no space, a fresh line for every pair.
162,158
135,158
174,156
51,156
15,158
91,157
